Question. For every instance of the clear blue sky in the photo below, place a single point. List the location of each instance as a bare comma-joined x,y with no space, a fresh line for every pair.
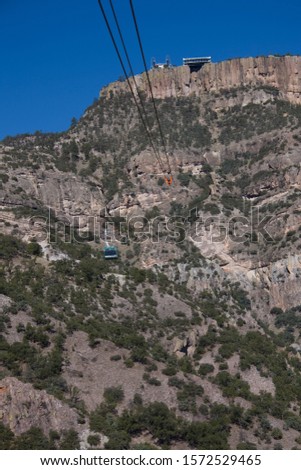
56,55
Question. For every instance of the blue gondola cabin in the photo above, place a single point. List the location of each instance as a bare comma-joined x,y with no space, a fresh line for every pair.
110,252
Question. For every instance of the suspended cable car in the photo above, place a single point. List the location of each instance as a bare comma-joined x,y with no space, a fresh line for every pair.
110,252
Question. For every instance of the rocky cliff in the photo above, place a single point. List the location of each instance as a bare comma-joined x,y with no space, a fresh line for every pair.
202,309
282,73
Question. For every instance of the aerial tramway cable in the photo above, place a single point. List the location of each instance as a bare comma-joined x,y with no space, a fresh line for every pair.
157,155
167,179
134,80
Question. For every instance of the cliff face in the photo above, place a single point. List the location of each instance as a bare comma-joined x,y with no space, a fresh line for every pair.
23,407
208,277
283,73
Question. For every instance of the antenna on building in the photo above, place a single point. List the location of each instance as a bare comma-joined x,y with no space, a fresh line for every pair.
157,65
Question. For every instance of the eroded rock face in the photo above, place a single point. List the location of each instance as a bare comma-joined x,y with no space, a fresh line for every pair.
283,73
64,193
23,407
186,346
282,279
4,302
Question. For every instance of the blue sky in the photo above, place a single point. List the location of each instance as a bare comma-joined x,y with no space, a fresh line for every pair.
56,56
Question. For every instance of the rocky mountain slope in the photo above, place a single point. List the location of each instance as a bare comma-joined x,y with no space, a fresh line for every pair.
191,338
281,72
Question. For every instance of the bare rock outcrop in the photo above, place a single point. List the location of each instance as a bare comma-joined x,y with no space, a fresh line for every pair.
23,407
186,346
283,73
4,302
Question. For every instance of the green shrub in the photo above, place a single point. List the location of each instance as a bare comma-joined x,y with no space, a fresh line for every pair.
208,436
160,422
102,419
212,208
144,446
246,446
129,363
4,178
294,422
276,311
205,369
114,395
6,437
151,380
118,440
276,433
232,386
70,440
170,370
115,358
187,394
93,440
10,247
34,249
176,382
184,179
33,439
185,365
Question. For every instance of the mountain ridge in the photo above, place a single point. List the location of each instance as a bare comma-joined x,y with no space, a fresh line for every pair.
202,309
281,72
